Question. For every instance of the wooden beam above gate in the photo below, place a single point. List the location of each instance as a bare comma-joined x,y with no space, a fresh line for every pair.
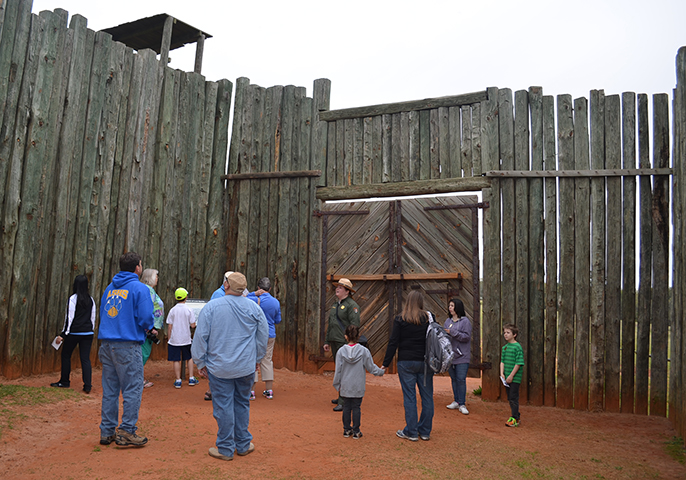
626,172
402,189
398,276
264,175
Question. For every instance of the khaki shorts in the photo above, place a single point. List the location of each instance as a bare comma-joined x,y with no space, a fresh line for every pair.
266,365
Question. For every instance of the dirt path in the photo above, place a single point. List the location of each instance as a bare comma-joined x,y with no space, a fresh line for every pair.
298,436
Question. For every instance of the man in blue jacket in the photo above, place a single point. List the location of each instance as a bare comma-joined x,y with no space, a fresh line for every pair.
126,313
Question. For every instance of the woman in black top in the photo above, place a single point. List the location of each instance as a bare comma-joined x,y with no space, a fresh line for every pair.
409,339
79,323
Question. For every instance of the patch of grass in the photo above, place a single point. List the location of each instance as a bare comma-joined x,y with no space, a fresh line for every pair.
12,396
675,449
477,391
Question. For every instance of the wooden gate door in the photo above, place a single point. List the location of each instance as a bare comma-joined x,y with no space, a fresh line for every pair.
387,248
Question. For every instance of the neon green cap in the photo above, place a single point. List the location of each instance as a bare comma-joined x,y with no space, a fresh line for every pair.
181,293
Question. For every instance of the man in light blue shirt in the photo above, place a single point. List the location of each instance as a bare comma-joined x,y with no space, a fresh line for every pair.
230,340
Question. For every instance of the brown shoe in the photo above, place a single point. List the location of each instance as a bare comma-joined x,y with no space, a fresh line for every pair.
214,452
125,438
250,449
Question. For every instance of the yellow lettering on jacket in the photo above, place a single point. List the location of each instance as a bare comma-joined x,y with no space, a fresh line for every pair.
118,293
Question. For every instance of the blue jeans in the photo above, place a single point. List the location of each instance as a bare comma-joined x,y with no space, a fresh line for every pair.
122,371
411,374
458,375
231,409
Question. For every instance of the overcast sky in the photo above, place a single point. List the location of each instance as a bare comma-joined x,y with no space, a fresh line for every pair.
383,51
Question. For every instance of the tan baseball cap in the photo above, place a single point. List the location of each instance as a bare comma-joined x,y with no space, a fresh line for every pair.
237,282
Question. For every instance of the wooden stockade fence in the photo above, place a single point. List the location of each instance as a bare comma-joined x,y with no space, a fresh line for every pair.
102,151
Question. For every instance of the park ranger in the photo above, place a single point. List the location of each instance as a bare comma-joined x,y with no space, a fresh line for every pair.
343,313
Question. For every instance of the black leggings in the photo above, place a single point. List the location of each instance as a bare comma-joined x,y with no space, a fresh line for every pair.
68,345
513,398
351,406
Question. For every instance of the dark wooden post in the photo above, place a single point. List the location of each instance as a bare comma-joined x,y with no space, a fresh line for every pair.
200,47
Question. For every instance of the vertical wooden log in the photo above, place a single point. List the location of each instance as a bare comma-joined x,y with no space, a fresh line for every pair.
597,368
414,146
521,222
320,102
506,138
386,145
628,253
348,151
491,293
424,145
165,43
340,153
536,253
582,258
466,147
645,290
661,225
367,150
377,152
358,151
243,186
332,146
396,148
613,280
551,253
255,154
276,93
434,146
199,50
455,142
404,161
444,170
476,139
565,331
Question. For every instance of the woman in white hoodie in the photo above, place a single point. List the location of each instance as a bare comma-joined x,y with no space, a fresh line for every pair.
352,360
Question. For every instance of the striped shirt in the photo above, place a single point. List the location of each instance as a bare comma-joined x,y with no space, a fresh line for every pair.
512,355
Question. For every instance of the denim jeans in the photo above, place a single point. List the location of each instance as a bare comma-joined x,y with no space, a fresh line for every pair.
84,343
458,377
122,371
351,408
231,409
411,374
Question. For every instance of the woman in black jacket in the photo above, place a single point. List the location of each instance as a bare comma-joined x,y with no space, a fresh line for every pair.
79,323
409,339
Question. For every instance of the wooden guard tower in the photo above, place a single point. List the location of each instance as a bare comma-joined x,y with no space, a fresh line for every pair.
161,33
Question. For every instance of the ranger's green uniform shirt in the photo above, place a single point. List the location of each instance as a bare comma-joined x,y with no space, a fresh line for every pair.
348,312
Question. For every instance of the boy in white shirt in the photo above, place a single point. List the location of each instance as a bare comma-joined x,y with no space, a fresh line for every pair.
180,321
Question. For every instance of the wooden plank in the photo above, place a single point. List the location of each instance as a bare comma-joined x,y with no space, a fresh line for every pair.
491,219
268,175
582,260
348,152
340,153
255,153
613,277
400,276
597,334
601,172
661,225
377,154
391,108
417,187
265,164
244,188
536,253
565,348
476,139
645,262
628,253
396,148
414,146
455,141
434,153
444,143
357,157
275,160
424,145
509,249
521,237
404,160
368,151
551,255
466,144
386,147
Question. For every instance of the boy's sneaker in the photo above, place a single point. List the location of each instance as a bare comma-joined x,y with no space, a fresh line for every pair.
193,381
347,433
357,435
268,394
252,395
512,422
125,438
453,406
177,383
463,410
401,434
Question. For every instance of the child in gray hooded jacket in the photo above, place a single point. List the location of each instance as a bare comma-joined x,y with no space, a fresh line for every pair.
351,362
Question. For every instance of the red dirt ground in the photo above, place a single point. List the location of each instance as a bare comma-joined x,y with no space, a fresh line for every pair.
297,436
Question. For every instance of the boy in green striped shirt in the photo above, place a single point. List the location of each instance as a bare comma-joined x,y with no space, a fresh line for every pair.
511,363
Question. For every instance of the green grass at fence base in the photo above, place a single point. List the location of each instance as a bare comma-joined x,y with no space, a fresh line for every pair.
675,449
12,397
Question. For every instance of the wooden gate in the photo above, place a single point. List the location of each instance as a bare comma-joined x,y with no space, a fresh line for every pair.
387,248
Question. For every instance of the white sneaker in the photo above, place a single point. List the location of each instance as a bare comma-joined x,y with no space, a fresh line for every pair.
453,406
463,409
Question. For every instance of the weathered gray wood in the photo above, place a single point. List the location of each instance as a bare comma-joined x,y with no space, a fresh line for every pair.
331,151
597,367
601,172
340,153
565,347
521,220
396,148
476,139
418,187
243,200
628,253
404,166
367,151
275,122
424,145
661,226
414,146
391,108
434,146
199,50
536,253
455,128
377,154
509,249
582,258
466,144
264,165
551,255
444,142
491,219
645,262
349,152
386,138
165,43
357,156
613,280
255,154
